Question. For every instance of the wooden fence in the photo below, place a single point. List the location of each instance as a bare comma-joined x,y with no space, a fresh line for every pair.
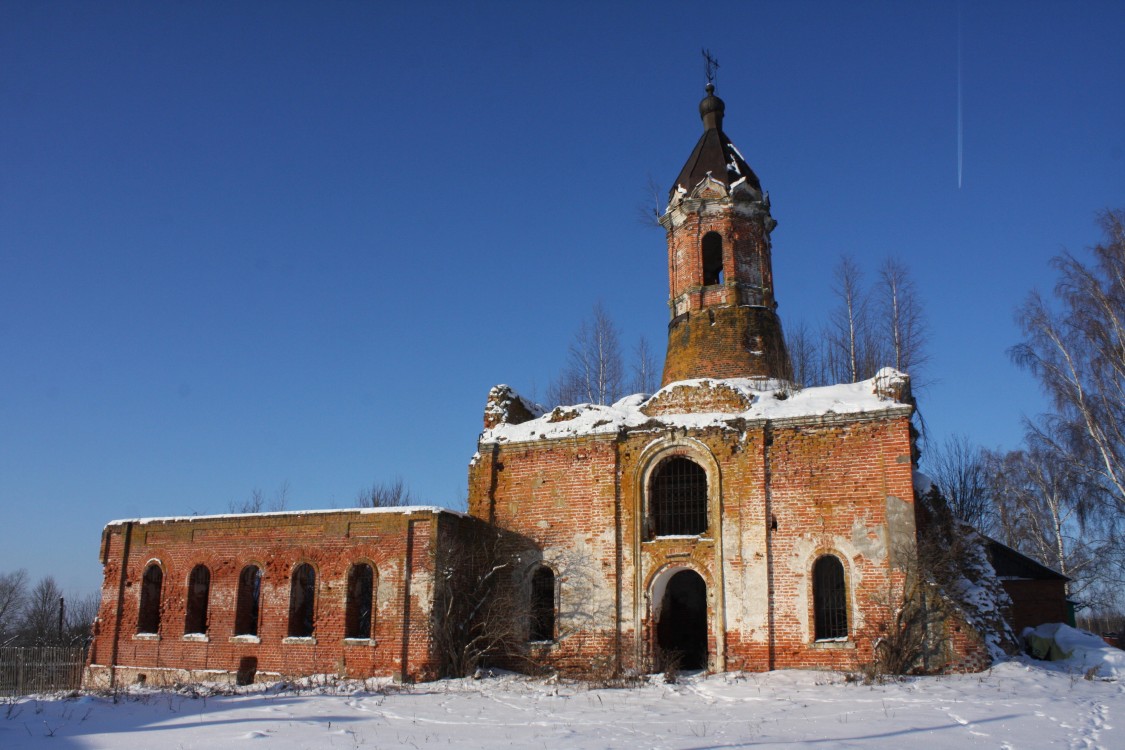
40,669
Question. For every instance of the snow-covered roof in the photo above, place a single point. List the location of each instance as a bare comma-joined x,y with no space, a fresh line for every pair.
712,402
404,509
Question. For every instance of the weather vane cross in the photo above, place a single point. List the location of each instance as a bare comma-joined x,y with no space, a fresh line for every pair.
710,65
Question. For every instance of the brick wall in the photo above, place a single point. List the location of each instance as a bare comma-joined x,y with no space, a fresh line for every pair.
398,544
826,483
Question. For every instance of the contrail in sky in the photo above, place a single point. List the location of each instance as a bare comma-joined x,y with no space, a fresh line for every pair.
960,126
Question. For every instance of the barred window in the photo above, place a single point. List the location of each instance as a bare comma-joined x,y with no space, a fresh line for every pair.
712,258
678,504
543,605
361,601
830,603
249,597
148,616
199,589
302,595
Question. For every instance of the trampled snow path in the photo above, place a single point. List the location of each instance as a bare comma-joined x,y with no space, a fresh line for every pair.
1018,704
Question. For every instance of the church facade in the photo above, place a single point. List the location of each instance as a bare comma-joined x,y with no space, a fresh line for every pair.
730,521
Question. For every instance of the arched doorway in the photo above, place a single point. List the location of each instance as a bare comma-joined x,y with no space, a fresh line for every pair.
681,631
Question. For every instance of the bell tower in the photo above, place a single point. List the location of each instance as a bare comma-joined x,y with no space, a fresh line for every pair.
724,316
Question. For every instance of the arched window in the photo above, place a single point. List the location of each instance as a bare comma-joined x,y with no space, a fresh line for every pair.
830,601
678,501
148,617
249,597
542,605
361,602
302,595
199,587
712,258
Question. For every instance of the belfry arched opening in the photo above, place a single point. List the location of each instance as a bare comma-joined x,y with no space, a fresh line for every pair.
681,628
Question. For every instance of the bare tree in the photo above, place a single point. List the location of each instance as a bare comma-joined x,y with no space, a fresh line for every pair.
806,352
594,372
41,616
646,375
392,494
481,611
1076,348
849,329
259,503
79,617
651,208
901,323
960,469
13,592
1038,501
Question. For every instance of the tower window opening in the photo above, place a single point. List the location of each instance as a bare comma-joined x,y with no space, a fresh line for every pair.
199,589
830,603
148,616
678,503
361,599
712,258
542,605
249,598
302,595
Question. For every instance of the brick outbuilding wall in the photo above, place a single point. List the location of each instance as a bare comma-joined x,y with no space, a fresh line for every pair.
398,543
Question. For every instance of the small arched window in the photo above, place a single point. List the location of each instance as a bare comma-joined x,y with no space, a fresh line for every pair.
302,595
712,258
361,602
678,502
542,605
830,601
199,589
249,598
148,617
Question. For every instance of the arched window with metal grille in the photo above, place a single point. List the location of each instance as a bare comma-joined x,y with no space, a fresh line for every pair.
249,598
361,602
830,600
148,614
542,605
302,601
678,499
199,590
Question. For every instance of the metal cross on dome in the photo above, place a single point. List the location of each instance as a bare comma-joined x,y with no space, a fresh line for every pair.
710,65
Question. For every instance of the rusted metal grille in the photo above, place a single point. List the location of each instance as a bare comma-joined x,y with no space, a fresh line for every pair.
829,599
542,605
679,498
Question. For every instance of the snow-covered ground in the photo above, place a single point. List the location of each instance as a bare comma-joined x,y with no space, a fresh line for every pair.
1018,704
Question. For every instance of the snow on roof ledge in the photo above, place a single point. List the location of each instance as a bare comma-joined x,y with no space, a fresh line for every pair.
712,402
403,509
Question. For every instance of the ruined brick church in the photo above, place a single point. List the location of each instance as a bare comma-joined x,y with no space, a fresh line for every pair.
731,520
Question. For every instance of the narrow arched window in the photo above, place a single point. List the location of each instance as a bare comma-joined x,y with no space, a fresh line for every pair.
302,594
249,598
542,605
678,502
148,617
712,258
361,602
199,589
830,601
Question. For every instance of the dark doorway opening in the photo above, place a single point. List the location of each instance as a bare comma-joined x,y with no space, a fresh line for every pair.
681,632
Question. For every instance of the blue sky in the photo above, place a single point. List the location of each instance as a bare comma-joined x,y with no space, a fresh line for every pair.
243,244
